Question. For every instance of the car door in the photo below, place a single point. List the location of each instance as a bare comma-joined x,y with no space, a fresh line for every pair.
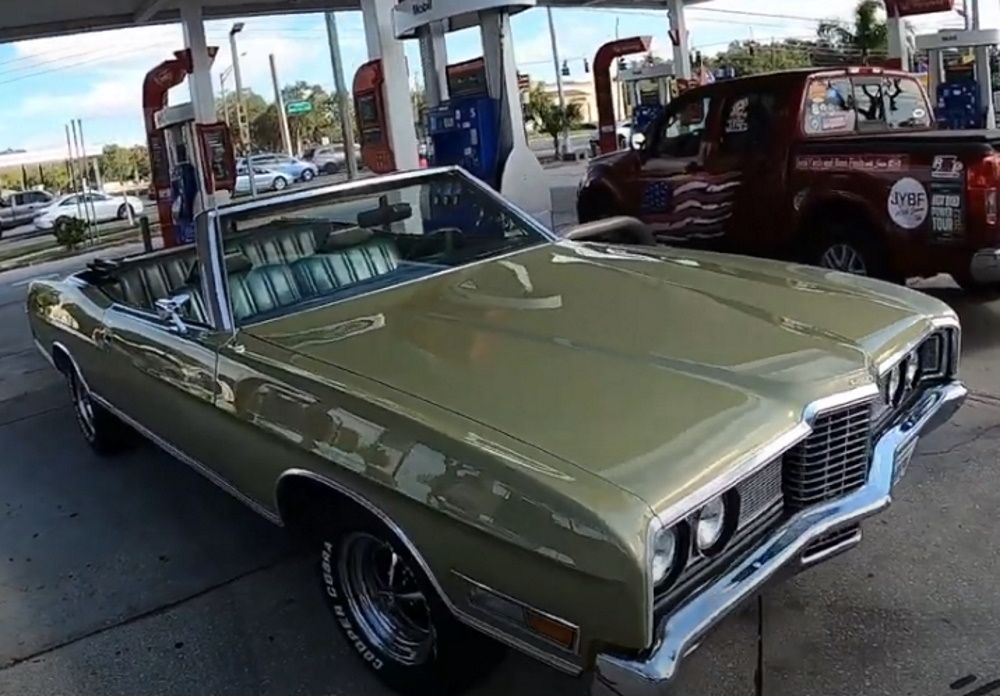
676,194
36,200
20,212
752,151
164,378
105,207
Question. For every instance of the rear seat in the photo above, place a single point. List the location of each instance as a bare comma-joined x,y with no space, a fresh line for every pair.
265,273
142,284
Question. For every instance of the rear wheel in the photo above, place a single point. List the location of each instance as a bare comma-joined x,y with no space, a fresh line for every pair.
392,617
123,212
330,168
280,184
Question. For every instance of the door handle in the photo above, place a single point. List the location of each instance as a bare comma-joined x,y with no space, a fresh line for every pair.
101,337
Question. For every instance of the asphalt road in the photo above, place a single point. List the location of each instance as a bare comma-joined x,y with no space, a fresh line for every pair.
136,576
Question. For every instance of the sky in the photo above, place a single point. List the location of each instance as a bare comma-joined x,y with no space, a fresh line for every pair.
97,76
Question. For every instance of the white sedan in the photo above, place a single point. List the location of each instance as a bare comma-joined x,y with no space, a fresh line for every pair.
87,206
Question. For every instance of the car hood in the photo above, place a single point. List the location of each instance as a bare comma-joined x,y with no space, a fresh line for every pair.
657,370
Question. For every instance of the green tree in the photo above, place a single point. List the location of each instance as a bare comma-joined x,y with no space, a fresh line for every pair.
752,58
548,117
865,35
117,163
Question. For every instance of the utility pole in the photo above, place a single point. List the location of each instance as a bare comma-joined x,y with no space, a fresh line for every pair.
343,102
286,136
559,83
241,114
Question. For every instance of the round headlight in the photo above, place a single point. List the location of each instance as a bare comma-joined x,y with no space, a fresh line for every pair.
665,549
710,525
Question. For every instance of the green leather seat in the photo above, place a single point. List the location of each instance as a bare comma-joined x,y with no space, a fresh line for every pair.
262,290
322,273
155,279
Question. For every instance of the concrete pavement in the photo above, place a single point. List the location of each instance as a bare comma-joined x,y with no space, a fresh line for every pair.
136,576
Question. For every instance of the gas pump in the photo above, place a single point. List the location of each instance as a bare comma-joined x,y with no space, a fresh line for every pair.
963,91
647,90
369,103
475,117
199,161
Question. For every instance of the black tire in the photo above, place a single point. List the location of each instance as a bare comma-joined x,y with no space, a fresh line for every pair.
280,183
434,653
308,175
844,245
123,212
105,434
330,168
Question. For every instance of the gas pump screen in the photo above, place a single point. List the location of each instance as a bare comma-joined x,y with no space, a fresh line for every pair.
368,112
467,79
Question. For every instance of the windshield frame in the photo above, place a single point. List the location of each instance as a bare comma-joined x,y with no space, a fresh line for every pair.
210,240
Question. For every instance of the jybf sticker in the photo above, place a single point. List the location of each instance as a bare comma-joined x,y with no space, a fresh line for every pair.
908,203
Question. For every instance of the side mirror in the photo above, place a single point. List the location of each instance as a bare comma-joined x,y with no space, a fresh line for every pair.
619,229
170,308
638,141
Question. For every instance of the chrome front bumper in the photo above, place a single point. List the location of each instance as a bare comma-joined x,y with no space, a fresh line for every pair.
679,634
985,266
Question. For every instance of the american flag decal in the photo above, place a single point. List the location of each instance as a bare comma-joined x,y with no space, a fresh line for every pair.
690,206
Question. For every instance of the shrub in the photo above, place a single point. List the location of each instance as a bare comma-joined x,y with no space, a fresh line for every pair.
70,232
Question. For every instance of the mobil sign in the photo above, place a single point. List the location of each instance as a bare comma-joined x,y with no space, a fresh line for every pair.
904,8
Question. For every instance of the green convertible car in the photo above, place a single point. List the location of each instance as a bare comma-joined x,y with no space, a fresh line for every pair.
589,449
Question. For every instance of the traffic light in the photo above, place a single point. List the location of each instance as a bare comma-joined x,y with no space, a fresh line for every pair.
586,66
565,69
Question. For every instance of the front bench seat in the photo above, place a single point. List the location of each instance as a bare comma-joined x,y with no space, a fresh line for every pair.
326,272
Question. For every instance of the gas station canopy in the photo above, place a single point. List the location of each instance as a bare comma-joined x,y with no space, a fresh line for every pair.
39,18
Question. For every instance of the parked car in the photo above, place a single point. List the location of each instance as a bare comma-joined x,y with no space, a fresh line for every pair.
623,134
329,159
20,207
585,449
294,168
84,205
264,179
839,168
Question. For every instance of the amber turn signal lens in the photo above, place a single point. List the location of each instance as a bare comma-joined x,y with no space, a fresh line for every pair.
555,631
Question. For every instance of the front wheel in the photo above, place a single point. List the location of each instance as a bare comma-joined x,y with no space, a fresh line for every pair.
392,617
105,434
308,175
846,247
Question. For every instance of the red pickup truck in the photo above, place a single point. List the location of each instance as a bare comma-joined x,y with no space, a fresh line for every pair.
842,169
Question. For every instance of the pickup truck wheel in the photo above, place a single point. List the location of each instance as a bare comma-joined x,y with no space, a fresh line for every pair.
105,434
393,618
840,248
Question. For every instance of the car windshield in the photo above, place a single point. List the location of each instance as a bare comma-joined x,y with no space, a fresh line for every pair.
337,244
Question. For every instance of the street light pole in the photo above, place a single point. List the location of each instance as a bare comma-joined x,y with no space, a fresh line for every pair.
559,83
343,102
286,135
241,114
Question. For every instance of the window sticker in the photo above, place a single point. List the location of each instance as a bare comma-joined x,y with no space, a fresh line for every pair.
908,204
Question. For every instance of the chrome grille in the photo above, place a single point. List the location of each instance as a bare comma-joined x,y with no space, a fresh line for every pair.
833,461
760,493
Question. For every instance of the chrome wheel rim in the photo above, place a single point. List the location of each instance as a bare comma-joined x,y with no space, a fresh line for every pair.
844,257
385,600
279,184
84,408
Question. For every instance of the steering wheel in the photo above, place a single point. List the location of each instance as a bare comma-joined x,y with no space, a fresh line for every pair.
449,234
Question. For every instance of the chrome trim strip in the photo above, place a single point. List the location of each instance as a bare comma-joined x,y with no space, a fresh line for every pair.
214,281
551,617
679,633
45,353
810,559
191,462
464,617
937,324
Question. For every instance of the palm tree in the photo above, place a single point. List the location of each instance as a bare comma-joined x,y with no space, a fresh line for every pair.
868,34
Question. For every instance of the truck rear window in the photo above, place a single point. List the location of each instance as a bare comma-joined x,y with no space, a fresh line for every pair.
840,104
